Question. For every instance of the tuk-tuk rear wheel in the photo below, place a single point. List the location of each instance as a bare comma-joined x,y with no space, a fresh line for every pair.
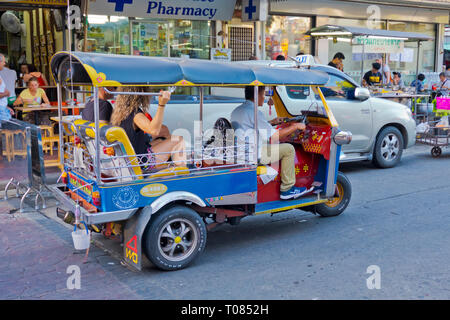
337,205
174,238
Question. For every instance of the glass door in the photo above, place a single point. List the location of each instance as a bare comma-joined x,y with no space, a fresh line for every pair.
150,38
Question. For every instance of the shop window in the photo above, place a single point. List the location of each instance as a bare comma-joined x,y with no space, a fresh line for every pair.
406,64
190,38
150,38
353,62
108,34
286,36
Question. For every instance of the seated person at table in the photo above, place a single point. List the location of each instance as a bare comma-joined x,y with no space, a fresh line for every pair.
128,114
373,77
270,150
105,108
33,96
397,80
419,83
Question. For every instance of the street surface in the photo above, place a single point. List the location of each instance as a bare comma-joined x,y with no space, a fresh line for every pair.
397,224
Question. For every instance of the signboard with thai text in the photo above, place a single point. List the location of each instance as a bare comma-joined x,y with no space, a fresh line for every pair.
377,45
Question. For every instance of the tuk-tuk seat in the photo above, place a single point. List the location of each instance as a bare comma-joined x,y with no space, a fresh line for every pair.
123,163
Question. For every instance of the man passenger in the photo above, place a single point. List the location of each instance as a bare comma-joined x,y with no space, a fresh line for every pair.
105,108
270,150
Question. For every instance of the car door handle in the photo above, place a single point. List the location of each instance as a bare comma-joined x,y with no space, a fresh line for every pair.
365,111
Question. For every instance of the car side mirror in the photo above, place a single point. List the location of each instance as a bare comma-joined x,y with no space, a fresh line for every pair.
362,94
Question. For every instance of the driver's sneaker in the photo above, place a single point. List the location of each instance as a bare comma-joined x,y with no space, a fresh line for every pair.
293,193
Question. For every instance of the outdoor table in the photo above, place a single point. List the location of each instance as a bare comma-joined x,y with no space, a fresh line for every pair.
65,119
48,108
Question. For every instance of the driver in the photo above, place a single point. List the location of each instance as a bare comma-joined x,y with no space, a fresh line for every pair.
270,151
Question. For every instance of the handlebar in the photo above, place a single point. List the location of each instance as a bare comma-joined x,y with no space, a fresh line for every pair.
301,118
153,94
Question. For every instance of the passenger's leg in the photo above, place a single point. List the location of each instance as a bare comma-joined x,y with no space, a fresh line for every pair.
284,152
173,147
164,133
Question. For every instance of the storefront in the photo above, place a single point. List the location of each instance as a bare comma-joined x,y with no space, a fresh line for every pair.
31,32
290,19
150,28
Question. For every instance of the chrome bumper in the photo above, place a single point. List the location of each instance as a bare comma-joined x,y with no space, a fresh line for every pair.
90,218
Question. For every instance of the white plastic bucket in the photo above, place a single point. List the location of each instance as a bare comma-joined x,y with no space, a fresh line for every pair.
81,239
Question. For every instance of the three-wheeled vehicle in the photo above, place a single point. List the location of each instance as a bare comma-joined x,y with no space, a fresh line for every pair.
166,214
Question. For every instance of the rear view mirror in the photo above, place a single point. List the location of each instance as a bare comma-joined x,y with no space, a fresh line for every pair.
362,94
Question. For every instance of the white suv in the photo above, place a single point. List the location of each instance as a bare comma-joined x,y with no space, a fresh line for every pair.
381,128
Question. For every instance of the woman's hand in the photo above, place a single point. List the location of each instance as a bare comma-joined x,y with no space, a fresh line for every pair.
11,111
44,105
164,98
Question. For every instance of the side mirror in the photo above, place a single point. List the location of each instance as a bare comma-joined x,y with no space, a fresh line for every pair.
362,94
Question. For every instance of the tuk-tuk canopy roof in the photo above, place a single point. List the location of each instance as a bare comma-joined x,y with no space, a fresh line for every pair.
103,70
350,32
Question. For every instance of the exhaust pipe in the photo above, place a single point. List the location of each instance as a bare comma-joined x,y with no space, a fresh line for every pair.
66,216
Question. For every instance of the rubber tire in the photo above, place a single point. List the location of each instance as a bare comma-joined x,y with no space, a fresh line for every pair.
378,159
157,222
325,211
436,152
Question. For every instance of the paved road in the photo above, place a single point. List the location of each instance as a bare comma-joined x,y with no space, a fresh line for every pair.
397,221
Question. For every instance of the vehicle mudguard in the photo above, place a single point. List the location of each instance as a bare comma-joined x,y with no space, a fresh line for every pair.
134,227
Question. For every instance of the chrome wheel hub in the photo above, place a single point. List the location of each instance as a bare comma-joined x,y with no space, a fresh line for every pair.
177,239
390,147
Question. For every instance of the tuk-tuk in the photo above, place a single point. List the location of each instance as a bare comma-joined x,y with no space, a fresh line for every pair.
166,214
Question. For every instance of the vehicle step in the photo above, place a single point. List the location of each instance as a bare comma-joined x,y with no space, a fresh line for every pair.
284,205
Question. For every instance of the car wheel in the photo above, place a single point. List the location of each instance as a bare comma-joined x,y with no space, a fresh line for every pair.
436,152
388,148
336,206
174,238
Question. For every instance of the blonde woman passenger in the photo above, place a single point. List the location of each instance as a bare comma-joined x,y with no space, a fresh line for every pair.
128,113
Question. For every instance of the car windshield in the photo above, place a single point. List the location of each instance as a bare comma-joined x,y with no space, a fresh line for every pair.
302,98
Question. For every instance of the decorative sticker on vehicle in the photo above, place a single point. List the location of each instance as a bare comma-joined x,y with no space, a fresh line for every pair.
131,250
153,190
80,184
125,198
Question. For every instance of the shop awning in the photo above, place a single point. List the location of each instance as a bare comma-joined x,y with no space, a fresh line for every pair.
351,32
103,70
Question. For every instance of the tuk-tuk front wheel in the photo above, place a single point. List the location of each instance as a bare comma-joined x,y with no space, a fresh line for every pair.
338,204
174,238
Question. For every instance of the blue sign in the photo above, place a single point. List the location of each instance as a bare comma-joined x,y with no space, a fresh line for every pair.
250,9
167,9
120,4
